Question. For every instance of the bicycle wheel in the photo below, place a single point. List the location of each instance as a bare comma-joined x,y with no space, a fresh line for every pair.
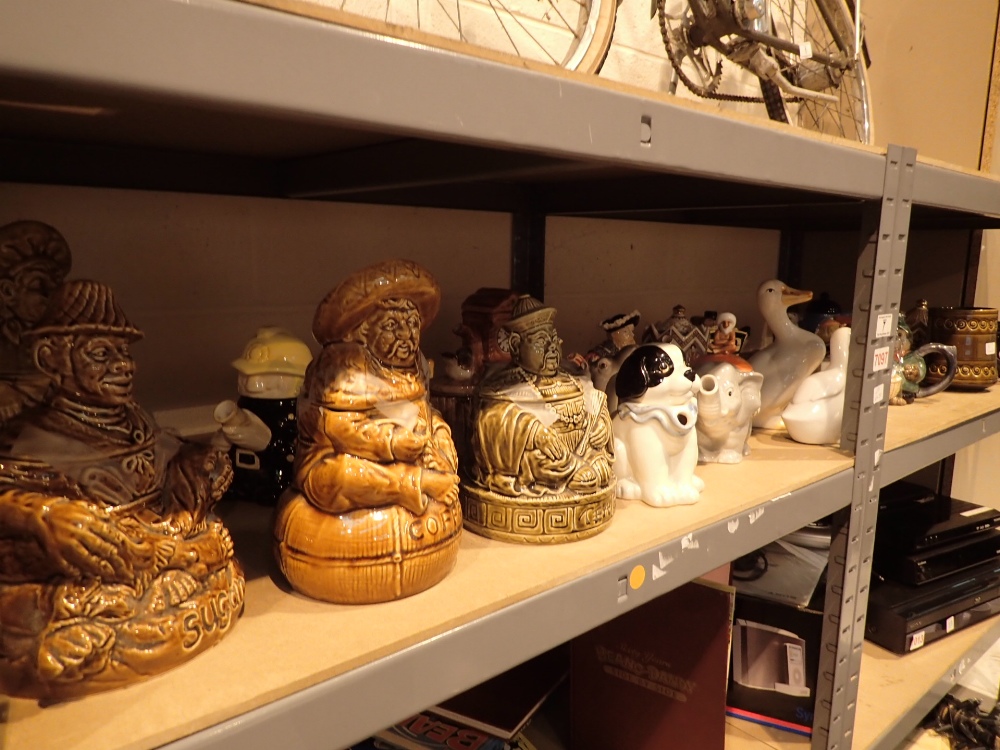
572,34
821,24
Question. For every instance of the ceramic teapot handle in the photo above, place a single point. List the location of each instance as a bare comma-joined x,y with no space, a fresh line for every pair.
950,353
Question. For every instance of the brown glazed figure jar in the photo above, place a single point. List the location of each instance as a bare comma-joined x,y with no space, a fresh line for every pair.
542,442
373,512
112,566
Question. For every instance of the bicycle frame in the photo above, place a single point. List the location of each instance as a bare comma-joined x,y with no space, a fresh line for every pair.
747,20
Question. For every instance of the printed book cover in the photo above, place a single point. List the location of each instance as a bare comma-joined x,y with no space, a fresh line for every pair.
502,705
427,731
655,674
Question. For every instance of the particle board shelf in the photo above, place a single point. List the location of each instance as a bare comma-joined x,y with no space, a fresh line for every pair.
896,692
935,427
315,675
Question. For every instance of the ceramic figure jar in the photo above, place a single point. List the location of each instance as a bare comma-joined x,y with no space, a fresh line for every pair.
372,514
261,424
34,261
112,565
542,442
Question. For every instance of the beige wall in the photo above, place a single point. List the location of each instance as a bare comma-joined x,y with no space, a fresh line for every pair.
930,73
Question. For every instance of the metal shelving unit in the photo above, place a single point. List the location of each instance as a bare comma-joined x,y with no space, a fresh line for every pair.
218,96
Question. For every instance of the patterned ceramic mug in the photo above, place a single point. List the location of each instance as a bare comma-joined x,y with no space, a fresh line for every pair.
973,333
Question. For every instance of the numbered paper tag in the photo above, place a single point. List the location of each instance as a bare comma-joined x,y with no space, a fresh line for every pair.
806,50
883,326
949,624
991,348
917,641
877,393
880,359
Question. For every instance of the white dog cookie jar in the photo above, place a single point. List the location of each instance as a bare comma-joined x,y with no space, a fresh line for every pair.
656,445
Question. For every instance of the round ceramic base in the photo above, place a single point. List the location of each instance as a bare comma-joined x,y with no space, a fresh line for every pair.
364,556
549,519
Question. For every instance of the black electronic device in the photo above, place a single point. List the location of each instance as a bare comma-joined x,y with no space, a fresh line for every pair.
913,518
903,618
926,565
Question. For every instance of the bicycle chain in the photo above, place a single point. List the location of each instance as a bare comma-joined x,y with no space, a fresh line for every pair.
701,91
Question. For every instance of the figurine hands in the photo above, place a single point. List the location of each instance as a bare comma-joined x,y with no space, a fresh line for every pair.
82,538
551,446
406,446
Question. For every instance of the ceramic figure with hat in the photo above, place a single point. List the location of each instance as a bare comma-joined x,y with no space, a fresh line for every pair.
34,261
112,565
261,424
604,359
542,442
372,514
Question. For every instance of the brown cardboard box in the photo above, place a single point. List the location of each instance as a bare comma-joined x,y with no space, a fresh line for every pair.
655,677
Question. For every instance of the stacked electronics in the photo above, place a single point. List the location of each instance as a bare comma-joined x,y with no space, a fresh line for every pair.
936,567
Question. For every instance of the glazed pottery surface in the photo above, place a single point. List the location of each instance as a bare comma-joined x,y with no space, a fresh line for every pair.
112,566
727,402
34,261
973,333
261,425
656,443
908,379
541,442
793,355
816,412
372,514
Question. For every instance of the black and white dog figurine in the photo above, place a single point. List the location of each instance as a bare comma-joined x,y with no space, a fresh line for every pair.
656,446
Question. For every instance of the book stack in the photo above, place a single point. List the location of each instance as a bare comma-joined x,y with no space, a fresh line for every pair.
499,714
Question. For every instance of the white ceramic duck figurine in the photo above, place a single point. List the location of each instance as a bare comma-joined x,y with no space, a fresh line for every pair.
817,408
793,355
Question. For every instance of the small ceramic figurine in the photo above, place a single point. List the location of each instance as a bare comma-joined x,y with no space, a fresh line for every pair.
817,409
542,442
909,368
728,400
454,382
604,359
724,340
373,512
112,566
656,445
34,260
694,339
271,372
793,354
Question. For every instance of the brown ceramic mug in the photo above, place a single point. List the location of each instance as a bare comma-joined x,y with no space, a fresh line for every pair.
973,333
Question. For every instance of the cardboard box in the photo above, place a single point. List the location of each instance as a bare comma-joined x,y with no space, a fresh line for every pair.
776,649
655,675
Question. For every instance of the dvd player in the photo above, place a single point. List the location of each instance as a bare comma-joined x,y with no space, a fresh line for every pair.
926,565
921,518
903,618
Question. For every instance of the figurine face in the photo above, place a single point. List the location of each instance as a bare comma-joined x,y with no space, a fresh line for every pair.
392,333
540,351
95,370
269,385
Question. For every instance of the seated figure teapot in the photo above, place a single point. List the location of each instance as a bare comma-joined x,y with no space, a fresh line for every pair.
909,367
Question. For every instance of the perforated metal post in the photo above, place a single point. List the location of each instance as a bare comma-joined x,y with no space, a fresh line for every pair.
876,309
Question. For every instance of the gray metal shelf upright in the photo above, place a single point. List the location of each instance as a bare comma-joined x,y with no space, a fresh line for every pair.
221,96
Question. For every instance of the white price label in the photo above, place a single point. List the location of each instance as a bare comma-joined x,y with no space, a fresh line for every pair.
991,348
880,359
883,326
806,50
918,640
949,624
878,392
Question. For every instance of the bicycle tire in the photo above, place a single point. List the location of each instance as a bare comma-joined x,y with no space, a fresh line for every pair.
585,56
851,116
